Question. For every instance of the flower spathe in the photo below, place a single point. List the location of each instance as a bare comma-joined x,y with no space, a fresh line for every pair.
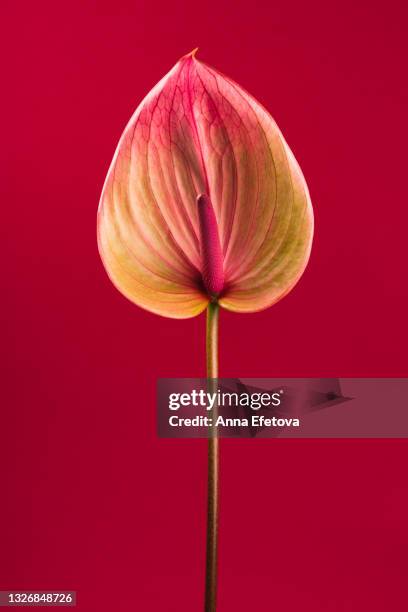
200,140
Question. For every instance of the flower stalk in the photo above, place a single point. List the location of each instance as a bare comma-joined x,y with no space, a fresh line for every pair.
213,464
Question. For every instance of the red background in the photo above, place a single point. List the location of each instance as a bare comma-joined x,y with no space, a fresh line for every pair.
90,498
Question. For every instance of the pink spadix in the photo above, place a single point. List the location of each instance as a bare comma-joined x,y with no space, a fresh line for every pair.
210,247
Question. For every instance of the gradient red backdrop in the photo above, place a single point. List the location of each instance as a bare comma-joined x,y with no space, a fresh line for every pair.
91,500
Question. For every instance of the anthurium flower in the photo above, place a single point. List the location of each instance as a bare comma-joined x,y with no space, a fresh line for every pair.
203,200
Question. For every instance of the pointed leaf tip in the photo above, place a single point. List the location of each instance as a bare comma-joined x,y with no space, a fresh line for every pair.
191,55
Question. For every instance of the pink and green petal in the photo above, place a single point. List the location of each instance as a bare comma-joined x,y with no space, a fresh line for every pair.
197,133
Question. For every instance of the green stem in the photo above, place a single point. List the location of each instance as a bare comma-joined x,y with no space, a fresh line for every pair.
213,464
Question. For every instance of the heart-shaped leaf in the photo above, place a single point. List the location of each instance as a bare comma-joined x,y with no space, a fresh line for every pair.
198,134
